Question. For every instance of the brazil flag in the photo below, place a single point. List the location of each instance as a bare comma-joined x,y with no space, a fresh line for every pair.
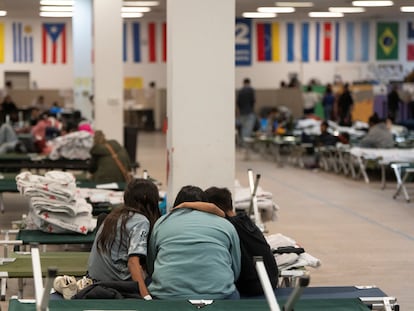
387,41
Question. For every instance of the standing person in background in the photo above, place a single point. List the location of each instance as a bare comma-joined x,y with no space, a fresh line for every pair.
246,99
9,108
328,102
345,105
310,99
393,101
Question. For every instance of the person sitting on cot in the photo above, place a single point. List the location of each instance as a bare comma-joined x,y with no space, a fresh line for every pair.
252,241
193,254
120,248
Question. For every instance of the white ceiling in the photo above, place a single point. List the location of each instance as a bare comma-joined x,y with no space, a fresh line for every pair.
30,9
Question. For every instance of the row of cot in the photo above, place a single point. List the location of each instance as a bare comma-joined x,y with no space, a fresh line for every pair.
343,159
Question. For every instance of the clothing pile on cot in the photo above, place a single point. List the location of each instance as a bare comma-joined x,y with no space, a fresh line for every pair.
287,260
265,203
55,206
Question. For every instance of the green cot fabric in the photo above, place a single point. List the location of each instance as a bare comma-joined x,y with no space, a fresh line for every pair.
162,305
70,263
37,236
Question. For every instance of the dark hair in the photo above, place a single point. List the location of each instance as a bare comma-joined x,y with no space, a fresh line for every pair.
221,197
374,119
140,196
325,123
246,81
190,194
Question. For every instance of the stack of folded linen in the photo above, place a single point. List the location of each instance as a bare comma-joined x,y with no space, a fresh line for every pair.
267,207
54,206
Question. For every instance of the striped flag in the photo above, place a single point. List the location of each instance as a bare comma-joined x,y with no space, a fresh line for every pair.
132,38
54,43
268,42
22,43
164,42
297,42
327,41
410,41
1,42
152,43
357,41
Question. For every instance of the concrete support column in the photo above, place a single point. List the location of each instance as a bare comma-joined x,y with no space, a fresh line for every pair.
200,94
82,56
108,68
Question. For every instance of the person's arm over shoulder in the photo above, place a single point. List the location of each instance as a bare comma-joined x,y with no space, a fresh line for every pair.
203,207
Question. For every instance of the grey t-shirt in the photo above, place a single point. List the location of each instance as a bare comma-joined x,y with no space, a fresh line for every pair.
114,266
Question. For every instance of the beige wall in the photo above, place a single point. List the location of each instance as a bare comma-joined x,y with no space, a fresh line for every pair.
24,98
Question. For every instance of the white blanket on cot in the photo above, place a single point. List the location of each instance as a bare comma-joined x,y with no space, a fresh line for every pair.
53,205
265,203
386,156
101,195
290,260
54,185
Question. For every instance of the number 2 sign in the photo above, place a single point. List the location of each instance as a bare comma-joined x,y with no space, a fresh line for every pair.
243,42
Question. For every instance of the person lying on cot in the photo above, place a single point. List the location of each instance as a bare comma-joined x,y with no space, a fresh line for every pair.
252,241
193,254
120,247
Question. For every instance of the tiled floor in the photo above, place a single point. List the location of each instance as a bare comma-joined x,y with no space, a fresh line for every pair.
361,235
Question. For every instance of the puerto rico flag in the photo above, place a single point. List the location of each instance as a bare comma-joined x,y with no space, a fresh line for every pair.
327,41
267,40
54,43
22,43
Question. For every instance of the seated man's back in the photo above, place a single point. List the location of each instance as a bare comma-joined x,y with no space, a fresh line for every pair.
193,255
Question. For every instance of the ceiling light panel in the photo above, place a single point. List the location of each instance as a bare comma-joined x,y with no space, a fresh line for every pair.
372,3
326,14
295,4
131,15
140,9
347,9
3,13
56,14
275,9
407,9
258,15
56,8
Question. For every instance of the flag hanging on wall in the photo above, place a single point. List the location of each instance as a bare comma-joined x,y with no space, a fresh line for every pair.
22,43
243,42
297,42
131,38
387,41
54,43
410,41
327,41
164,42
268,42
152,43
1,42
357,41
